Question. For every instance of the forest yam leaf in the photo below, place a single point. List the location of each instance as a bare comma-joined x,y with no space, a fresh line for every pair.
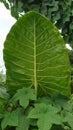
35,55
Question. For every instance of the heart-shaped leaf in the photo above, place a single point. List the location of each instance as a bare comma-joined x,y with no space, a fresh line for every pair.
35,55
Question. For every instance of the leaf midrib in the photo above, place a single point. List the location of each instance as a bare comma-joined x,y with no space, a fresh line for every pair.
35,69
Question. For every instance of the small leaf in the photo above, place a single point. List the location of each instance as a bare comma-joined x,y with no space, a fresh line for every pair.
10,119
47,115
24,95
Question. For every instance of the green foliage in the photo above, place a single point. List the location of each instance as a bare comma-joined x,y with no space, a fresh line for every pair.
3,99
57,11
46,113
36,60
5,2
71,62
35,56
10,119
2,79
16,9
23,123
25,93
3,93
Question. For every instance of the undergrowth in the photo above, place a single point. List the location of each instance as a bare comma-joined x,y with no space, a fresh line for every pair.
24,112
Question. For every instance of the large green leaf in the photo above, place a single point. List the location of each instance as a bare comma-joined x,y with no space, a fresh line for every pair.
35,55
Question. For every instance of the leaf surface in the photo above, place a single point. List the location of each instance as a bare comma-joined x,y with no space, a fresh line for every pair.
23,121
68,117
24,95
47,115
35,55
10,119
